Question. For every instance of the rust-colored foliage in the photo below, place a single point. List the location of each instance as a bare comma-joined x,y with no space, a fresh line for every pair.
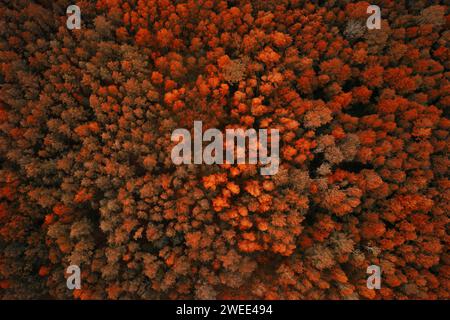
86,176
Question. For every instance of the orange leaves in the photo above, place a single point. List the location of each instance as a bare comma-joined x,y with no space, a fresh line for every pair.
143,37
229,215
367,137
305,145
233,187
339,275
220,202
357,10
268,185
399,79
193,239
4,210
245,223
265,201
373,76
165,181
250,236
61,209
129,224
7,192
263,226
257,108
83,195
172,97
211,182
322,229
372,230
114,291
86,175
5,284
283,249
122,34
248,246
361,94
390,106
280,39
3,115
243,211
44,271
152,233
164,37
288,152
371,180
253,188
150,161
157,78
269,56
86,129
366,293
336,69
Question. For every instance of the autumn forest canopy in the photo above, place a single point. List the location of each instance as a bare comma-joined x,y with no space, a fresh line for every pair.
86,176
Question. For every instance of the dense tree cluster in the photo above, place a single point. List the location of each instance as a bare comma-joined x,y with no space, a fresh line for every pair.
86,176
